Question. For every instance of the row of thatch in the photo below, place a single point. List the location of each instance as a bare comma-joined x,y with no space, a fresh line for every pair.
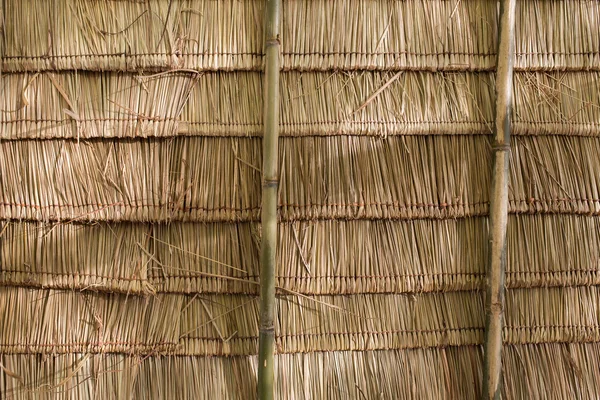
316,257
316,35
55,322
86,105
555,371
183,179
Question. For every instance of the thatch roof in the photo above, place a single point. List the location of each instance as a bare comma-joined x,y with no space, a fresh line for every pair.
130,195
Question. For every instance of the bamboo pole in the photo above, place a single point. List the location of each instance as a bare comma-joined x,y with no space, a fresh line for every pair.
494,297
270,184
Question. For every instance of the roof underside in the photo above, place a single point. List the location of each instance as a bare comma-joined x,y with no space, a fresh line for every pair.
130,156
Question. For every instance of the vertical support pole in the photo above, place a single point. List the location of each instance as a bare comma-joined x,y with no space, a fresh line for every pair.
495,276
270,184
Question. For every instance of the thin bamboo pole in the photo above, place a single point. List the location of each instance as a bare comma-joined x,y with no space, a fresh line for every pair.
494,298
270,184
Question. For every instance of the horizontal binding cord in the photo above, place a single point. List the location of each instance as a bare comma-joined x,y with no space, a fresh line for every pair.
338,341
295,53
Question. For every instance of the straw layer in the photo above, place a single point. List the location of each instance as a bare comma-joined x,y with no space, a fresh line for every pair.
550,371
92,105
131,35
347,34
228,325
47,321
204,179
319,257
374,103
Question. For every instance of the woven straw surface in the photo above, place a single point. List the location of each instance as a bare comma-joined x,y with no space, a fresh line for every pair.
130,192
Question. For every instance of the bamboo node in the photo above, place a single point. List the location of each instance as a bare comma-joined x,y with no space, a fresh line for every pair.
271,182
272,42
501,147
496,307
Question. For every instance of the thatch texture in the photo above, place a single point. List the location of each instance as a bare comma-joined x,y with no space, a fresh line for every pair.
162,34
105,105
551,371
227,325
321,178
130,195
317,257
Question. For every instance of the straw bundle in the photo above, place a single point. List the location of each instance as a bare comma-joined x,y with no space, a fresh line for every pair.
318,257
105,105
557,35
92,105
218,325
321,178
163,34
131,35
553,371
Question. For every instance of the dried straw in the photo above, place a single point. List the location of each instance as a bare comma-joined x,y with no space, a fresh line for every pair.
552,371
109,105
49,321
92,105
143,197
347,34
131,35
204,179
557,35
318,257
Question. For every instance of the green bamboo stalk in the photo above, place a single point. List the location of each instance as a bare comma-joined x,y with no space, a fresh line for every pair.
270,184
494,297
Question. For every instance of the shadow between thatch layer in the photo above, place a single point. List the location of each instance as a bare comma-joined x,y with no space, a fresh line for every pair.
47,321
208,35
318,257
557,371
209,179
368,103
